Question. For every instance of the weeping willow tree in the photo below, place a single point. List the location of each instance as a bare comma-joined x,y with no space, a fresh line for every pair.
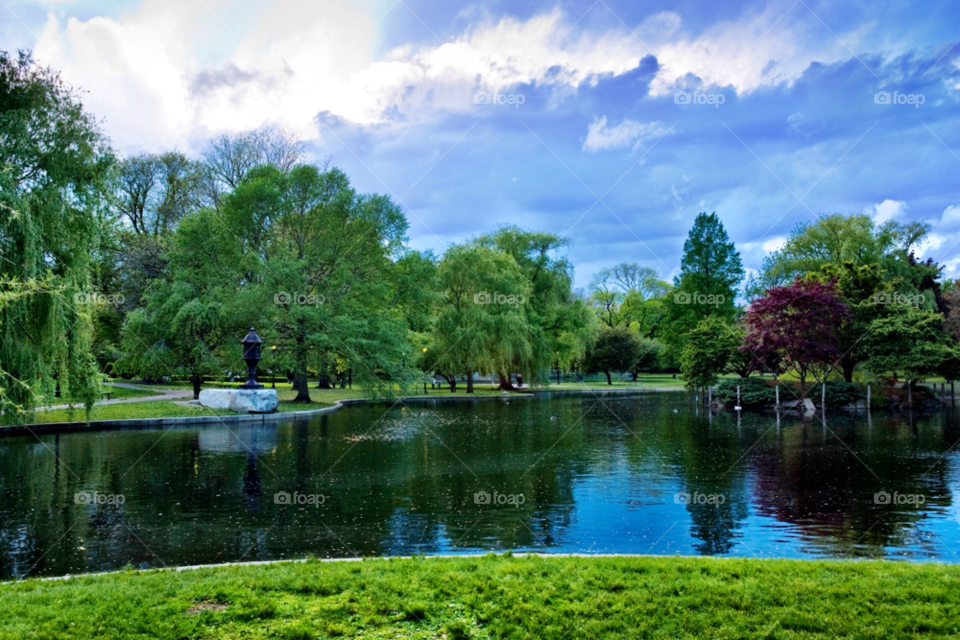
54,164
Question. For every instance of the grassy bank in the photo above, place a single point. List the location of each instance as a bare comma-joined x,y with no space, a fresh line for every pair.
128,411
497,597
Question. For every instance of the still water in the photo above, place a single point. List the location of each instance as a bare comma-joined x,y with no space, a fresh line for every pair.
644,474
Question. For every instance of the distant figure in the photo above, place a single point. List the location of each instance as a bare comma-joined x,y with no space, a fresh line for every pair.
519,380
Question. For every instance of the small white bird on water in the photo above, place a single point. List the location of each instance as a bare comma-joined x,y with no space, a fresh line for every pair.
553,418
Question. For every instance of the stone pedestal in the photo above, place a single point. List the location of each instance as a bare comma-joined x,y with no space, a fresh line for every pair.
241,400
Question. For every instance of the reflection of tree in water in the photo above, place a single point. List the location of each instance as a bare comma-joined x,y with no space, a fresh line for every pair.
826,487
206,495
705,453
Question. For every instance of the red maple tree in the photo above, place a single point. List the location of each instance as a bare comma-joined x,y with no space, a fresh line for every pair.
795,327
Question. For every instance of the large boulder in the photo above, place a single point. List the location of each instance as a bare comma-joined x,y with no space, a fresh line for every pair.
241,400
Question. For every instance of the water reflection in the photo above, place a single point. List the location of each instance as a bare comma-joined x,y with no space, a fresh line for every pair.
649,474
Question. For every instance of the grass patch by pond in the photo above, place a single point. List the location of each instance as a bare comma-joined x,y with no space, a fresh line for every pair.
124,393
497,597
127,411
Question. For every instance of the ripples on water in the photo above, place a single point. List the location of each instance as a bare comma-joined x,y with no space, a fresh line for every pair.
645,474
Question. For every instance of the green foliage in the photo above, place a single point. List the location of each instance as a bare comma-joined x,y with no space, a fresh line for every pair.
618,349
54,163
561,325
707,352
839,393
836,239
754,392
710,273
909,341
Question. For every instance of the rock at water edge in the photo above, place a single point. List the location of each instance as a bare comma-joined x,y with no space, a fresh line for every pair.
241,400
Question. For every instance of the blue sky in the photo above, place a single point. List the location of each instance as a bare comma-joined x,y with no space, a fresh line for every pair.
613,123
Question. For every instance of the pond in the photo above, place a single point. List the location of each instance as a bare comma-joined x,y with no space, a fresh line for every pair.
646,474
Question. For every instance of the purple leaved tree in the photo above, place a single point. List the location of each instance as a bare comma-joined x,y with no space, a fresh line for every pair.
795,327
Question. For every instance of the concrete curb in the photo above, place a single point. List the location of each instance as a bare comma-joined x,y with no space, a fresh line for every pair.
263,418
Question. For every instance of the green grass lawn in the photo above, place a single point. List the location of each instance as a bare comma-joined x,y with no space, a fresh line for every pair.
127,411
497,597
644,381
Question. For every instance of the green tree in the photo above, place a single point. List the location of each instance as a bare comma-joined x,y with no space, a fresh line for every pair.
710,272
617,349
560,322
909,341
54,163
836,239
475,329
708,351
317,255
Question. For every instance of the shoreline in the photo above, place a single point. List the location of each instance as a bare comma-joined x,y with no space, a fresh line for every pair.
263,418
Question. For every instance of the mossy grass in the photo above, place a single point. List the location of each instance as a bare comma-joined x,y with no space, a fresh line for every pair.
497,597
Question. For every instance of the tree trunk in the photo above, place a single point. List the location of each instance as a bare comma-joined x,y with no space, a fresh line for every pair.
343,381
324,382
505,383
609,381
470,382
848,368
300,382
197,382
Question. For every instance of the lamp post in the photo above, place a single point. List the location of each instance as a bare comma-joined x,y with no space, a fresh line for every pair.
251,355
273,364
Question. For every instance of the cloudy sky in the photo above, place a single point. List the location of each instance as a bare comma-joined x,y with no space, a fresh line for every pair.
612,122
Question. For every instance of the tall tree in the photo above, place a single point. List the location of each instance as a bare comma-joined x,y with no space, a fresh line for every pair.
835,239
54,163
317,254
229,158
559,321
710,272
476,329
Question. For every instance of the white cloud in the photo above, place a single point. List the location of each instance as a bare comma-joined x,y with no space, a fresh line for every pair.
628,132
773,244
949,220
162,77
887,210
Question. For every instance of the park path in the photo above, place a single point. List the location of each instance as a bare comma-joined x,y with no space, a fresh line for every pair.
165,394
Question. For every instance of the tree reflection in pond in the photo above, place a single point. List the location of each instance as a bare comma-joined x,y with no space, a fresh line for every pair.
604,477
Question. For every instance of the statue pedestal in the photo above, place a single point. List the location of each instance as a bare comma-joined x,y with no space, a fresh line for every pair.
241,400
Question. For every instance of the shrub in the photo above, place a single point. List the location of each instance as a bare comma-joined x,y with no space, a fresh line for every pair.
839,394
753,392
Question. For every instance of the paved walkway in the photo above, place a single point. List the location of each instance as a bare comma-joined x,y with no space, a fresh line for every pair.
164,394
